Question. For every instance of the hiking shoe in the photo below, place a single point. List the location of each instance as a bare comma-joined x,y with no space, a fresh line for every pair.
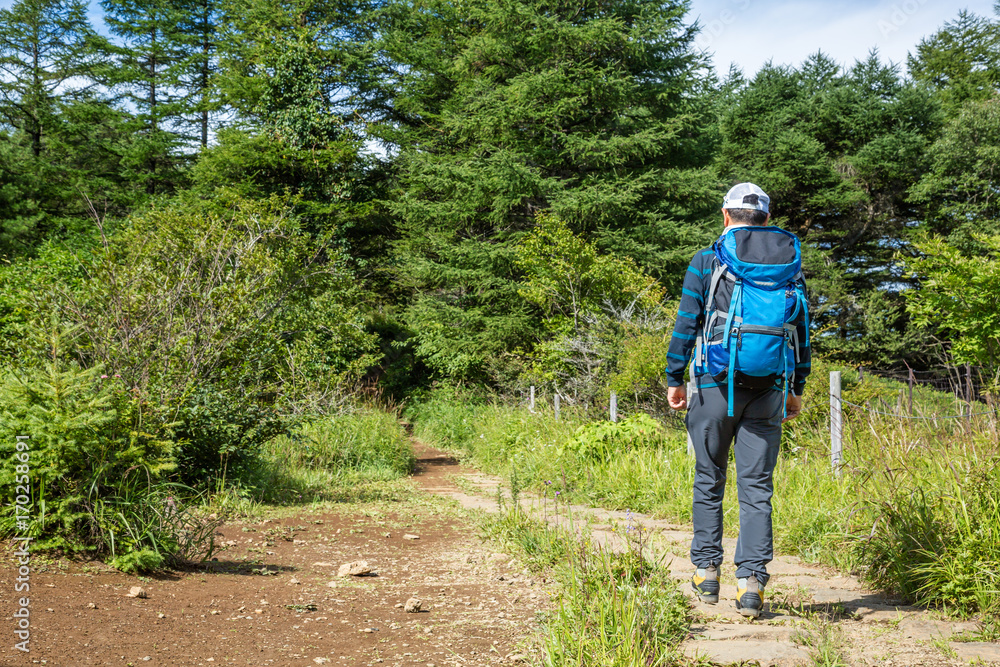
749,596
705,583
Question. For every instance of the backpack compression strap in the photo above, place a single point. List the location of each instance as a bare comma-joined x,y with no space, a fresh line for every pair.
735,302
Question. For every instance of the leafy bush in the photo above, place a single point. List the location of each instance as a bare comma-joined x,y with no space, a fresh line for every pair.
603,441
221,432
222,314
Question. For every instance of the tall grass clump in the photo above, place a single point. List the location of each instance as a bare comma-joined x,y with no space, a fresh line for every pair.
613,609
334,458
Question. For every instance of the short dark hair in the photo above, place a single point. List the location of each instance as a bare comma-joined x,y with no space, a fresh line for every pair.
748,216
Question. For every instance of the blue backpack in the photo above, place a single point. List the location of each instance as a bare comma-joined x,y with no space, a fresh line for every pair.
757,294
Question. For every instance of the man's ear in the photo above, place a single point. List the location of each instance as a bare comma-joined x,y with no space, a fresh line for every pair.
768,220
725,218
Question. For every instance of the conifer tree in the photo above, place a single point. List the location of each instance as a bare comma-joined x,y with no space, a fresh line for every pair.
58,132
961,61
198,34
499,110
838,151
46,52
146,73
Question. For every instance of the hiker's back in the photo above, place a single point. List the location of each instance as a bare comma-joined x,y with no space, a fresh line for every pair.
749,336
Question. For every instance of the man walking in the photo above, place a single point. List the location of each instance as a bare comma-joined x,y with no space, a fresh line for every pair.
743,312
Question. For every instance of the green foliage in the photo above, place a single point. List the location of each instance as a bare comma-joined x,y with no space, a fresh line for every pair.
362,440
629,615
939,547
220,432
600,311
591,111
640,364
615,609
603,441
94,461
566,276
957,188
256,324
961,61
837,151
350,456
959,295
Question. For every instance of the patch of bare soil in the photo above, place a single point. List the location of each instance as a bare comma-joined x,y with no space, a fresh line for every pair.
274,596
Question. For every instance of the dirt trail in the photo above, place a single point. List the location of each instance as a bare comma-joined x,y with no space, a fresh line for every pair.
805,604
274,597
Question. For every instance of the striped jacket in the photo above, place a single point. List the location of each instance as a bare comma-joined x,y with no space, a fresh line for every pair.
697,282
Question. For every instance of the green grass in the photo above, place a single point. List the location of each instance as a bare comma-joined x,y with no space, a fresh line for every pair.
613,609
916,510
355,456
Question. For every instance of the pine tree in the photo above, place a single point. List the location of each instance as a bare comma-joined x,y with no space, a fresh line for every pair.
594,110
961,61
147,75
46,49
198,33
60,134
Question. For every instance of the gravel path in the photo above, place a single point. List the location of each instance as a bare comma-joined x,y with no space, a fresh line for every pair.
810,611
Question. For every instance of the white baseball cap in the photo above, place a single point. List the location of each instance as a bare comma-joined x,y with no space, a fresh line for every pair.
747,195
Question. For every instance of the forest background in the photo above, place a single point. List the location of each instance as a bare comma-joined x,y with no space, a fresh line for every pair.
222,218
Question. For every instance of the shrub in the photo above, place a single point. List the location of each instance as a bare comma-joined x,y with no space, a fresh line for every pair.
602,441
222,315
90,449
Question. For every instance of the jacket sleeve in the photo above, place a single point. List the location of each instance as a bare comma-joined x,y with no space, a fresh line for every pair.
688,324
804,364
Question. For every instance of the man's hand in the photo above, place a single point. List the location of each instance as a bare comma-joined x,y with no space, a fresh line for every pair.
793,406
677,397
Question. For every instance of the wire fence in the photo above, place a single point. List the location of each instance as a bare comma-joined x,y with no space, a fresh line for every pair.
868,408
970,401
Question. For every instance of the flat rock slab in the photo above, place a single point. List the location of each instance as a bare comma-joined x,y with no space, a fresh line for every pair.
766,653
917,628
774,633
982,651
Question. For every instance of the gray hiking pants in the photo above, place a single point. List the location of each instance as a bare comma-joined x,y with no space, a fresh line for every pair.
756,427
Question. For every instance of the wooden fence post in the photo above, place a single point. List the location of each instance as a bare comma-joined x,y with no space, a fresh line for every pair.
614,406
692,389
555,403
836,423
531,399
911,391
968,393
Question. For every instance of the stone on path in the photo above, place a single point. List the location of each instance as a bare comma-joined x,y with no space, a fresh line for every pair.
137,592
776,633
412,606
358,568
926,629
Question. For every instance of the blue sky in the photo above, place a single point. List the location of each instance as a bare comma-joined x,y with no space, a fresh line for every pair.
751,32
